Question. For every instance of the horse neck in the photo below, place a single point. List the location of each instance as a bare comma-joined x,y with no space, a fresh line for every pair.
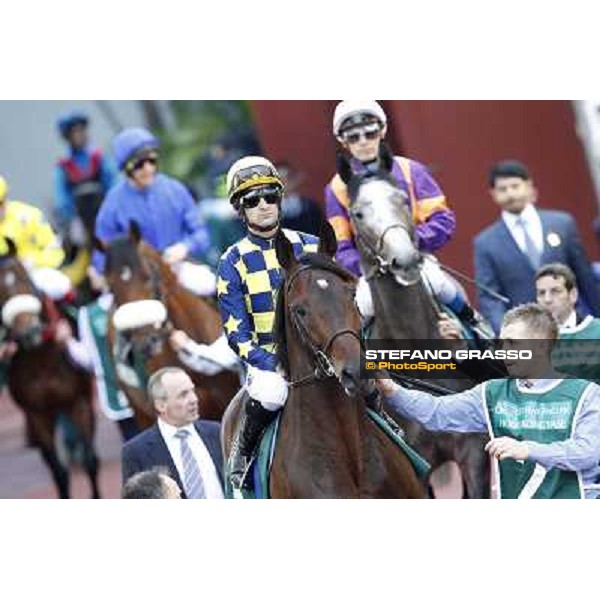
402,312
321,406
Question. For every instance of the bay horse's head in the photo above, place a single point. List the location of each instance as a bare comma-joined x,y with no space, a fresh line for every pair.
381,216
20,301
139,281
316,315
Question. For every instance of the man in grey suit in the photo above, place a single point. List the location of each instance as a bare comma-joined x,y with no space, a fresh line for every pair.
511,250
188,448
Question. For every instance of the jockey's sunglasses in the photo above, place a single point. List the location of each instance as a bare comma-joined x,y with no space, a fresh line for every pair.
370,132
252,201
140,163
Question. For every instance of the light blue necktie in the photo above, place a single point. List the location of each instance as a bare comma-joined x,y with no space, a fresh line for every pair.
192,479
531,250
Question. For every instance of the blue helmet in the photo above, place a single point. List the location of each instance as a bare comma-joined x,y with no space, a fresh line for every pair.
131,141
69,119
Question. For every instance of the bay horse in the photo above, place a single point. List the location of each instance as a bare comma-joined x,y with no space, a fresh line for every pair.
327,445
42,379
403,306
136,272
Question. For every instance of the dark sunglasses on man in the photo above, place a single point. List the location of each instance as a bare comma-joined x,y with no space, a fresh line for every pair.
140,162
369,132
252,199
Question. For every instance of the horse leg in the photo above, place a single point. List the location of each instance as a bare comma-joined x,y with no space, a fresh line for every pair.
42,430
83,418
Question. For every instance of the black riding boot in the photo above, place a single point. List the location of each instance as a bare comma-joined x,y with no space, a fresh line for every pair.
254,421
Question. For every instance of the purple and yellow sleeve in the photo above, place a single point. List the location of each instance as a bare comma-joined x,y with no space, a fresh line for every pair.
337,214
435,220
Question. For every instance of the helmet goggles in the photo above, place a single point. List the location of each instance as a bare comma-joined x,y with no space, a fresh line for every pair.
252,177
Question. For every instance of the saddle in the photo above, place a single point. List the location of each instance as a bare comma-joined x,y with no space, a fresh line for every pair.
259,469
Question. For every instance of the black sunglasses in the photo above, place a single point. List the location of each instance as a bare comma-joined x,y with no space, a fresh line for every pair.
141,163
254,200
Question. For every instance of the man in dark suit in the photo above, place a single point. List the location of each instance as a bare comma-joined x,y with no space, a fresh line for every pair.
511,250
189,448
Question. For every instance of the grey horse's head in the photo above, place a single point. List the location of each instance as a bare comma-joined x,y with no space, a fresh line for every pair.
380,212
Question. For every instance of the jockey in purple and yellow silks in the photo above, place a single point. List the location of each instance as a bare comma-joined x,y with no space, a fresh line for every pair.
360,127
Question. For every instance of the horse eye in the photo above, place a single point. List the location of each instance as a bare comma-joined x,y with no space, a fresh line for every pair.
301,311
359,215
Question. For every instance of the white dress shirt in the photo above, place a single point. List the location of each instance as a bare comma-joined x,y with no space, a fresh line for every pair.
208,471
533,224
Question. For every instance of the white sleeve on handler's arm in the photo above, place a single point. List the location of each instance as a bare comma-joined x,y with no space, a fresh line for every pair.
461,413
209,359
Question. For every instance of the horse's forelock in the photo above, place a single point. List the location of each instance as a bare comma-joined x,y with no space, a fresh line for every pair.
120,253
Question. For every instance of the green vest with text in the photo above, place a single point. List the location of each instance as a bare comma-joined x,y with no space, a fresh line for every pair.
544,417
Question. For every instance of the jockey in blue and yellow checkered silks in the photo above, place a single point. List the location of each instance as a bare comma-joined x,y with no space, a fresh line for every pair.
249,277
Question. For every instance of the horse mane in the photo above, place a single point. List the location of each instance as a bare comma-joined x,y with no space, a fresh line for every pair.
154,256
358,180
315,261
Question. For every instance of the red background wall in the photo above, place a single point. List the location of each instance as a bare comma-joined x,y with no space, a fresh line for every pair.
459,141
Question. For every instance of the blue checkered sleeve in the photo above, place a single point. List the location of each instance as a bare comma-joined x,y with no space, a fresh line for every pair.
235,317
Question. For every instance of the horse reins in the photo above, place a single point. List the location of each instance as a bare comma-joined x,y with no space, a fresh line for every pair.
324,368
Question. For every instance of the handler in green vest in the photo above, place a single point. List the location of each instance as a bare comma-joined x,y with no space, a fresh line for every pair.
544,430
578,351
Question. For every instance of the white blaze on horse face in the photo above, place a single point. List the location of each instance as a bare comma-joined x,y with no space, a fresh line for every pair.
379,206
10,279
322,283
126,274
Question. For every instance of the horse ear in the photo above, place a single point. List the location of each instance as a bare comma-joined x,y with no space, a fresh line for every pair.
344,168
135,233
387,158
327,240
284,251
12,247
99,245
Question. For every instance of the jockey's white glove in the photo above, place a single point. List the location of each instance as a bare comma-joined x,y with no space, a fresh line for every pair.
364,300
267,387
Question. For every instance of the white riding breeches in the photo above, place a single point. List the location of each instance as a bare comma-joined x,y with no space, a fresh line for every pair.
364,299
442,286
198,279
51,282
267,387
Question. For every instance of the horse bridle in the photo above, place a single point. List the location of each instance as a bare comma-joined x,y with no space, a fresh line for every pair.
324,368
380,265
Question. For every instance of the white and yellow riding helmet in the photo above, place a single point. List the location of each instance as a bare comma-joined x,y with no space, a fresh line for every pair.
252,173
